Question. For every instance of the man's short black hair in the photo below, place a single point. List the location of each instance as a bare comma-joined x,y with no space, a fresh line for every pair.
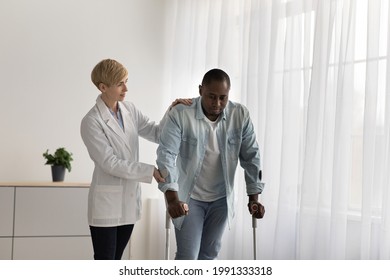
215,75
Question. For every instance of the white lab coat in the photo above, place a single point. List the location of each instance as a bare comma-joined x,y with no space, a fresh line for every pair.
115,194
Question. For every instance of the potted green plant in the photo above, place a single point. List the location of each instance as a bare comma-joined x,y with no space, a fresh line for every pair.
59,161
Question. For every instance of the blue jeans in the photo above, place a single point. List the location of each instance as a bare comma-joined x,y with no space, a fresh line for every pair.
202,230
110,242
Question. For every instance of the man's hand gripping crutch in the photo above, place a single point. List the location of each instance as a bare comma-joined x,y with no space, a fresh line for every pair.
175,209
256,209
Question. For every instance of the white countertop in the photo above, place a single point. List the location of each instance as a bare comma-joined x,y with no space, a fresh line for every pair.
44,184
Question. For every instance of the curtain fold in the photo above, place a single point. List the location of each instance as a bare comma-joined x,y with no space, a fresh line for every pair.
384,252
314,77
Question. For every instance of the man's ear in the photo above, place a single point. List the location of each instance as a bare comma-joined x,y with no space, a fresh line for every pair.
200,90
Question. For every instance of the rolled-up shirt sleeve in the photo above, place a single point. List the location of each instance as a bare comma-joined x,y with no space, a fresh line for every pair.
250,159
168,150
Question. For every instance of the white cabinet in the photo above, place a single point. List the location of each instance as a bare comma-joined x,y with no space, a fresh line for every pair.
6,222
51,212
5,248
52,248
6,211
44,221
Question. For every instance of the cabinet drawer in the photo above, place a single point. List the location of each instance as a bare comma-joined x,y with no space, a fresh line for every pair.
5,248
6,211
53,248
51,212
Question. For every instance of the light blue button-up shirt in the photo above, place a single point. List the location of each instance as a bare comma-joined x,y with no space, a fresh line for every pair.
183,145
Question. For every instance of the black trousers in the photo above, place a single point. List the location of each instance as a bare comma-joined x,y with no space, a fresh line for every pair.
110,242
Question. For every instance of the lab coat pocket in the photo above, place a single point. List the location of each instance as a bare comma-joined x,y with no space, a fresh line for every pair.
107,203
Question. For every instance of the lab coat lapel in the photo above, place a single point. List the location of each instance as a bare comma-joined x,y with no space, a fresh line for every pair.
111,122
127,121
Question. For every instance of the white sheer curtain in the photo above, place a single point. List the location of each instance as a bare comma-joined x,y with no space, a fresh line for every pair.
314,76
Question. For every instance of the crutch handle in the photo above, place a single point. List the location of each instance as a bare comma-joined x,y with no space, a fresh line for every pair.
254,208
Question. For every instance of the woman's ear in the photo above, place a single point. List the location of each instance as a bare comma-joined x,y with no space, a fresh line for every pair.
102,87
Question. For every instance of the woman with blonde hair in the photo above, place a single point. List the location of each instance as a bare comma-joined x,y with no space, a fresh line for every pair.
111,131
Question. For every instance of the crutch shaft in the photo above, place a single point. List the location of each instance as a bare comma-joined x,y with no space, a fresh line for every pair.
254,226
254,208
167,234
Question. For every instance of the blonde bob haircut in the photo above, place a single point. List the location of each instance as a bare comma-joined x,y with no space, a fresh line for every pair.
108,72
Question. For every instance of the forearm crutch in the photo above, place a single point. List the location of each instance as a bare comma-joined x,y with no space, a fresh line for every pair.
167,234
254,208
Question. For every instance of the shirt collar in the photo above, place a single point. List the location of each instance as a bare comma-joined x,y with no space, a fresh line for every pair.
199,111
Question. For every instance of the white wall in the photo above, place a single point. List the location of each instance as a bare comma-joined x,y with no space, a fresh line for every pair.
47,51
